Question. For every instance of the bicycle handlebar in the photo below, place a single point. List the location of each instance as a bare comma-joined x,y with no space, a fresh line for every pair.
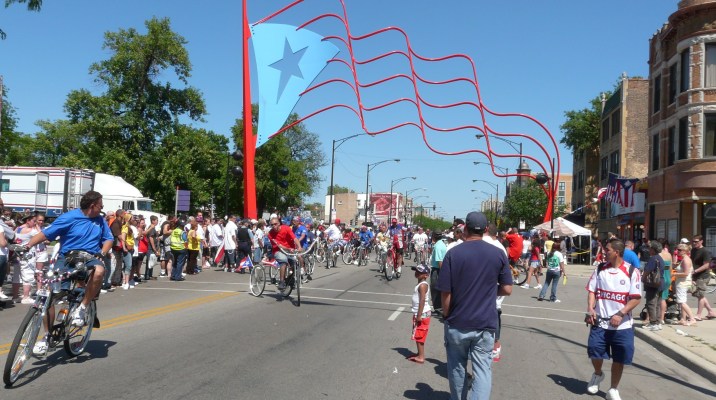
295,253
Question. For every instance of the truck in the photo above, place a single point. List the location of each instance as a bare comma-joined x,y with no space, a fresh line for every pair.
55,190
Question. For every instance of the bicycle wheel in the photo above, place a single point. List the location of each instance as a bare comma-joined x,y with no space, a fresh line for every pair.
310,264
381,263
347,255
397,268
21,348
79,336
519,275
388,270
320,254
257,281
298,290
364,257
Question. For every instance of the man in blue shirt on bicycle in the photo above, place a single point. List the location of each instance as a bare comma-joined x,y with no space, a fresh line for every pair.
80,229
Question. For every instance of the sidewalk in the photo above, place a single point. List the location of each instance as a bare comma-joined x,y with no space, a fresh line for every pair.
691,346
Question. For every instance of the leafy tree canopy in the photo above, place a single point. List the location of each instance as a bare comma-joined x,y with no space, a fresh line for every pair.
339,189
32,5
581,128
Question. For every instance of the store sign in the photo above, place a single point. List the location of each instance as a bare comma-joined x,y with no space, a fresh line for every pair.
637,206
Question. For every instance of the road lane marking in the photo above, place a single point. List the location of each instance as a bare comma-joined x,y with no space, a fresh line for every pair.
397,312
542,308
354,301
302,288
542,319
125,319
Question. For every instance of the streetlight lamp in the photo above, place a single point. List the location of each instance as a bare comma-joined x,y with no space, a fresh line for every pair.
333,164
367,176
497,194
510,142
393,182
405,203
484,192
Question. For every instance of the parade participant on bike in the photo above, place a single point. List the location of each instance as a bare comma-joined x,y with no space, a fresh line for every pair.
382,239
334,236
282,236
301,233
420,239
365,238
81,229
397,233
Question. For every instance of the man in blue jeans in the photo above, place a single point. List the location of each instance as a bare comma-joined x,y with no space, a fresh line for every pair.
472,275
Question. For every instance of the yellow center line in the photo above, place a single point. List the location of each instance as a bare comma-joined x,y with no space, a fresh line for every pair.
125,319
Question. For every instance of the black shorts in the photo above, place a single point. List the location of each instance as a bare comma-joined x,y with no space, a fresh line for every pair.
398,250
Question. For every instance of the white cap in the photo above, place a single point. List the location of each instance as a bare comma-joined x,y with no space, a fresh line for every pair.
684,240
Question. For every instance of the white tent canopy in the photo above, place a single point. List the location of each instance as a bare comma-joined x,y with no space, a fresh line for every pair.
562,227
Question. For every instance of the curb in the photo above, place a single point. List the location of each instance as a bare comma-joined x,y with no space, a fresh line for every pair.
686,358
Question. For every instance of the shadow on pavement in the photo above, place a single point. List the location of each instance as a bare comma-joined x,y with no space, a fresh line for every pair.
573,385
423,391
569,384
95,349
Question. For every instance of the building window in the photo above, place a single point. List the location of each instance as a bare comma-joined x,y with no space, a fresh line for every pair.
710,80
710,136
614,162
562,186
671,147
605,130
42,187
655,152
672,82
580,179
683,153
602,210
560,200
605,168
657,93
4,185
616,122
685,67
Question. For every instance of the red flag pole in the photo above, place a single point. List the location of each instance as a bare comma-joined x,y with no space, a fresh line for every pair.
249,149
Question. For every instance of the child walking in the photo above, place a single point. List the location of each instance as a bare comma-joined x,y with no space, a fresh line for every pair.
421,311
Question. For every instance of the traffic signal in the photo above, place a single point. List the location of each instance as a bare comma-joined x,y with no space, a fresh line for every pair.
237,171
237,155
434,207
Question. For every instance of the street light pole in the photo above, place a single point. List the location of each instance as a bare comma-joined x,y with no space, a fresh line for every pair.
392,182
497,194
405,204
333,165
510,142
367,176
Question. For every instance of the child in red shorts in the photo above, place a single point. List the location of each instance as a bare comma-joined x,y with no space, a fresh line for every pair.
421,311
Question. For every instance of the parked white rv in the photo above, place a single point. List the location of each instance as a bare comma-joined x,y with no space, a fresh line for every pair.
54,190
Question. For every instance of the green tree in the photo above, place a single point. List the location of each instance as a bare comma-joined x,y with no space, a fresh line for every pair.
297,150
32,5
338,189
581,128
525,203
15,147
431,223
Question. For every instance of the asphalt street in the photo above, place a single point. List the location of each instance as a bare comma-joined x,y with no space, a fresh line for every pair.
208,338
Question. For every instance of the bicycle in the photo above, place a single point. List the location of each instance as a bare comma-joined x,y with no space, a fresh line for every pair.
392,269
712,288
291,279
349,253
382,257
519,273
49,293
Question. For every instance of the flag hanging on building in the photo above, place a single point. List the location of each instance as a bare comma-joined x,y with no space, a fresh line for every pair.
620,190
601,193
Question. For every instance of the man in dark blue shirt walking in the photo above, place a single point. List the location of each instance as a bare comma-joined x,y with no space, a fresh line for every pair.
472,275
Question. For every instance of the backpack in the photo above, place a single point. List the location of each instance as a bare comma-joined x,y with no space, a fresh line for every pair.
654,278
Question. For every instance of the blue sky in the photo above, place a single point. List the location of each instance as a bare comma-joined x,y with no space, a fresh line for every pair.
540,58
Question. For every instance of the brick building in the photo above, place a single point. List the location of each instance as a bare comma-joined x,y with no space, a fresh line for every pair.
623,151
585,173
682,125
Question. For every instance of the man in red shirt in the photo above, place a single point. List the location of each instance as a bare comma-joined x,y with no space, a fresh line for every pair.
282,236
515,249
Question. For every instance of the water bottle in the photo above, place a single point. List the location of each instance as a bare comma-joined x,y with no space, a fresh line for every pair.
56,287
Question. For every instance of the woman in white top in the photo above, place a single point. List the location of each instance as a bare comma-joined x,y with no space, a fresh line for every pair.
555,269
683,283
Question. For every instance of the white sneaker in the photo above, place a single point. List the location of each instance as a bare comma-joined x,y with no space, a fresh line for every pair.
3,296
103,291
593,386
184,274
400,269
613,394
78,317
125,286
539,286
40,347
525,286
557,300
27,300
355,262
654,327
